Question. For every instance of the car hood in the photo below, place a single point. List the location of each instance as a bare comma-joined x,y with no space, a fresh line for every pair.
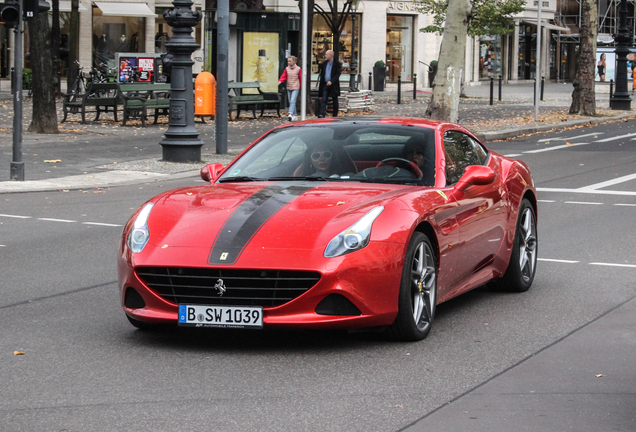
229,217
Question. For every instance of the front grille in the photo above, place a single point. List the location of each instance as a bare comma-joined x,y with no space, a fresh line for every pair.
267,288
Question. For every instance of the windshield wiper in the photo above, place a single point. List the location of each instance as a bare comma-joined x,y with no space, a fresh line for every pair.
309,178
239,179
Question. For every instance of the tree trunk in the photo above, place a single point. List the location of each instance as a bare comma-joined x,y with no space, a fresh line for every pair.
73,44
55,39
444,103
44,114
584,94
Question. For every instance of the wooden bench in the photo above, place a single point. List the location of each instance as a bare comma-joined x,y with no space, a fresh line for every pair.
100,96
238,100
136,98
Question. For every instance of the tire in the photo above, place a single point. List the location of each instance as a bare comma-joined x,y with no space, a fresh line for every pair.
418,291
523,259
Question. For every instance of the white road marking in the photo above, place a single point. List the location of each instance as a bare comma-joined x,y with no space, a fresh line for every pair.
587,191
614,265
570,138
15,216
558,260
101,224
555,148
615,138
612,182
547,201
512,155
57,220
582,202
625,205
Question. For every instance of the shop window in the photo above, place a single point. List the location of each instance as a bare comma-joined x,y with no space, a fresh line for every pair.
116,34
399,47
323,40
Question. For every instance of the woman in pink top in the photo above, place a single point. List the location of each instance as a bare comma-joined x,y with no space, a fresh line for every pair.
291,74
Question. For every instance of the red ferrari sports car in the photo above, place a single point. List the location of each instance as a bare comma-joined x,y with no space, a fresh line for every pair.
333,224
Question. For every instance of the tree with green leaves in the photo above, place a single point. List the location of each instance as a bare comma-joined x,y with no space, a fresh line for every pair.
488,17
456,19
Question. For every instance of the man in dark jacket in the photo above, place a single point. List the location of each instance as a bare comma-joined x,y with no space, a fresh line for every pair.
329,83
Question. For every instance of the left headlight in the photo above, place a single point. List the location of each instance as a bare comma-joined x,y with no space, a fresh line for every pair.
139,233
355,237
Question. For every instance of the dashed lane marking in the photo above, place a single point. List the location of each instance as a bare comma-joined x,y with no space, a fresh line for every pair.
60,220
615,138
555,148
547,201
571,138
588,191
15,216
612,182
582,202
558,260
613,264
625,205
57,220
101,224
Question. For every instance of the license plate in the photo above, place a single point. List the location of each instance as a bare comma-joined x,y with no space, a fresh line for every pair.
221,316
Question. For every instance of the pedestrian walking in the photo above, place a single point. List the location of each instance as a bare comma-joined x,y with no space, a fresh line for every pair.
292,76
329,83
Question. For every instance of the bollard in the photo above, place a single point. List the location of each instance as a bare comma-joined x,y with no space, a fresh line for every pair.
399,89
492,88
204,95
542,84
370,78
415,86
12,81
500,87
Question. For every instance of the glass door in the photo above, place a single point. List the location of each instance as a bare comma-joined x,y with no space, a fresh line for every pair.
399,47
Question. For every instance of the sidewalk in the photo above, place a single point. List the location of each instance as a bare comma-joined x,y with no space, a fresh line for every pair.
105,153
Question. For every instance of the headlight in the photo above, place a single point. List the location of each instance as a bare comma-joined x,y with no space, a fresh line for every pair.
139,233
355,237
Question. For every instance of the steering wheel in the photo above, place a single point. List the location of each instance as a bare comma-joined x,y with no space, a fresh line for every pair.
402,163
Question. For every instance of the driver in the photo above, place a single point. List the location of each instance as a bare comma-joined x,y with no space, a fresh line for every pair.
414,152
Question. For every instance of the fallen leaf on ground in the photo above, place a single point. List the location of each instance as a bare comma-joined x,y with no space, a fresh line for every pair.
53,160
18,352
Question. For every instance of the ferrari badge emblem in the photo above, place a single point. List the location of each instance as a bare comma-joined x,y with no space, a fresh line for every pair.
220,287
223,256
442,194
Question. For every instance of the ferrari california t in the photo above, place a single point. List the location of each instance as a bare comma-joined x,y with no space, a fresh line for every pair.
333,224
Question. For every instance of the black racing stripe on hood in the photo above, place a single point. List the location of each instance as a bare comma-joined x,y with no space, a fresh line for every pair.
248,219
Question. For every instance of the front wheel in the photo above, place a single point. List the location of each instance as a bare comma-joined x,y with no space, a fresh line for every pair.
523,260
418,291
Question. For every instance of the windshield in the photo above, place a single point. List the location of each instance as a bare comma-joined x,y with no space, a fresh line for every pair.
361,152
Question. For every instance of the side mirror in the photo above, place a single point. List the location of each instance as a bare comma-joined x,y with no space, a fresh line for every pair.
210,172
475,175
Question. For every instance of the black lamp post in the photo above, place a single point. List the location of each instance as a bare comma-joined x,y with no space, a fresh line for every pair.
181,143
354,63
621,99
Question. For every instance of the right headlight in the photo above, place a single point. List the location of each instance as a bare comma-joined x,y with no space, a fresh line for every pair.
355,237
139,233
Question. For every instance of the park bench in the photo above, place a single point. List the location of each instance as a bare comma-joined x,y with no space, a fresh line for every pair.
99,96
240,101
137,98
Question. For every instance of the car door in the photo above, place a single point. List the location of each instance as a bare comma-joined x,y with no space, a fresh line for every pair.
481,212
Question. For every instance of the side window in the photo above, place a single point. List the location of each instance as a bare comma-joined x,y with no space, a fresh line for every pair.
461,151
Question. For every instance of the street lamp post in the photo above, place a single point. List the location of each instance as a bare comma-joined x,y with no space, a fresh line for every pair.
354,63
181,143
621,99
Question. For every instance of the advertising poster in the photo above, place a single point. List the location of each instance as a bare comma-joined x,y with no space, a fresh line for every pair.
146,69
260,60
605,62
126,66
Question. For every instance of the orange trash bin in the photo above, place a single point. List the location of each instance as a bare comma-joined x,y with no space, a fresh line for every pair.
205,95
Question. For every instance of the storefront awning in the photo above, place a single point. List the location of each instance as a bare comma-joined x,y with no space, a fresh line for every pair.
547,25
125,9
65,6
